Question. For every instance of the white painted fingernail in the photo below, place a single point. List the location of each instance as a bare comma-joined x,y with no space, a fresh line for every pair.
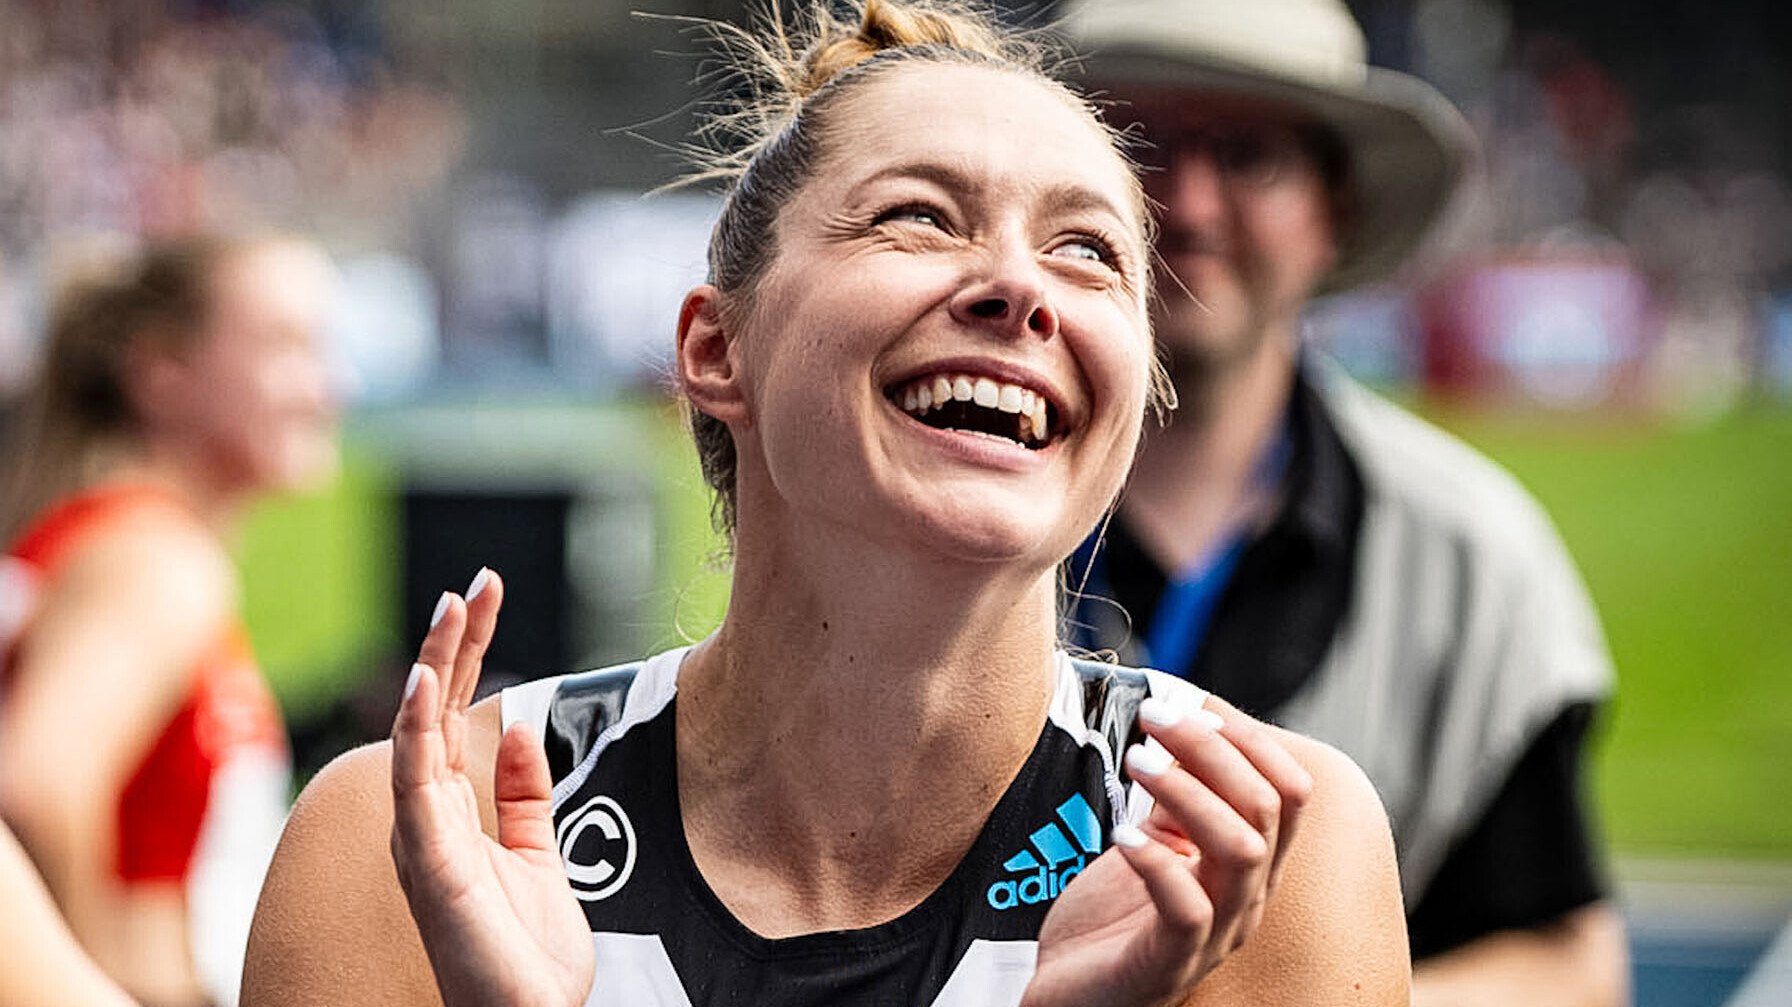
1207,720
1129,836
480,579
1159,712
410,684
1145,760
441,609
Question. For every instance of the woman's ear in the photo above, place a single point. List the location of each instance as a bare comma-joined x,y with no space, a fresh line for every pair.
706,366
156,384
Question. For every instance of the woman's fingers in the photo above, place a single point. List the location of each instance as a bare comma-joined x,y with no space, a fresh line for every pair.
485,595
1213,768
1258,743
1233,856
1182,904
460,630
442,643
416,733
1224,783
419,771
524,792
1278,766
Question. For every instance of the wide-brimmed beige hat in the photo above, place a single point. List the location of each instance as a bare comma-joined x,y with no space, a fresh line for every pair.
1408,147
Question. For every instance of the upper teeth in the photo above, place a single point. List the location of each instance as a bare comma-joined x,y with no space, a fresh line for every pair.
923,394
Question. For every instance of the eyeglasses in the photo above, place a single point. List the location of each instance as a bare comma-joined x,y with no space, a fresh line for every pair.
1250,156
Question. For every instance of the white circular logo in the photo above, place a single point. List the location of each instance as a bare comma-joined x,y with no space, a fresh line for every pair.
592,841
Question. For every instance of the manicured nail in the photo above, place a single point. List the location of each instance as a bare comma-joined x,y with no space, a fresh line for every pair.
410,684
1207,721
1145,760
1159,712
1129,836
480,579
441,609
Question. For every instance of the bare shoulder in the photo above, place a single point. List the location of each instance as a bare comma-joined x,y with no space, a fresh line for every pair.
1334,929
332,926
1340,787
152,572
133,607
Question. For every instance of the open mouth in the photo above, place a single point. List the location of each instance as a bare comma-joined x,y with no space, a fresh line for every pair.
978,405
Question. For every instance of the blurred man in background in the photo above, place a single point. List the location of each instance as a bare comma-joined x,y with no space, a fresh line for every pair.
1324,559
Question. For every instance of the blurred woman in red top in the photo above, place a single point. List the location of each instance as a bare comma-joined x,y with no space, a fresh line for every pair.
142,759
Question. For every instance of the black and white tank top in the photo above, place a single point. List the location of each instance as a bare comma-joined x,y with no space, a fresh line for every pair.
664,939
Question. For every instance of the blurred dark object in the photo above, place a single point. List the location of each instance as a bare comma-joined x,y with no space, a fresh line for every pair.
449,535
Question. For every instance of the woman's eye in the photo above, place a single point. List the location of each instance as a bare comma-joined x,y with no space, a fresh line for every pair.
1088,248
926,216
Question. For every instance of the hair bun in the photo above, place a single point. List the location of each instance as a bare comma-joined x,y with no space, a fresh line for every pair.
767,70
887,24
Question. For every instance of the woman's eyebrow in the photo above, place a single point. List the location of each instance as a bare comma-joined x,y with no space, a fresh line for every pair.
1068,197
1074,198
941,173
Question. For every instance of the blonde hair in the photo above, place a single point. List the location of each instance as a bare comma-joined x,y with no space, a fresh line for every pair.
155,301
768,143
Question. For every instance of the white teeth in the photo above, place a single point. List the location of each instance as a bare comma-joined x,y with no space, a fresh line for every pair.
985,393
927,394
1009,400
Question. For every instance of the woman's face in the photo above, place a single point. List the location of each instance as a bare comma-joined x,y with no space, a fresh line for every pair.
969,234
259,407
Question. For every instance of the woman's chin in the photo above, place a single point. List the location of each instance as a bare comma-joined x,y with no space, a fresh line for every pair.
995,528
303,469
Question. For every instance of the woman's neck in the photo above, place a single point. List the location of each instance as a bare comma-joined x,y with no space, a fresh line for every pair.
217,506
845,734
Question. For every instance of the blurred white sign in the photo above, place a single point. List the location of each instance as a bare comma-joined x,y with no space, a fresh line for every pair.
620,264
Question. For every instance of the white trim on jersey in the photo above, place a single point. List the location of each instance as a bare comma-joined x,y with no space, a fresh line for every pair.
991,974
634,971
638,973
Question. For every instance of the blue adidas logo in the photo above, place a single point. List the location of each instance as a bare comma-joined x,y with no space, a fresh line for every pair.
1062,860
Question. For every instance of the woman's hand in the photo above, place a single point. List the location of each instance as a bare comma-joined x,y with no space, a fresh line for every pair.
1154,915
499,921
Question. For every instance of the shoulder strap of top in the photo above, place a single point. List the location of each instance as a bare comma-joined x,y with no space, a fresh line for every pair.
64,522
1111,697
583,706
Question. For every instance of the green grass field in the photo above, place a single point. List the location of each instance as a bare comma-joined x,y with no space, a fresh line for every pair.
1685,537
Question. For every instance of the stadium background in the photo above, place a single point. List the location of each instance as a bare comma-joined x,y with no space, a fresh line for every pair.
1609,314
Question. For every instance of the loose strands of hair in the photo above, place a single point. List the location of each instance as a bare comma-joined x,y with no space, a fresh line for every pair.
763,73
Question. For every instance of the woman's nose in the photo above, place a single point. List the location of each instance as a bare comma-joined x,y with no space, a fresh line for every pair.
1010,299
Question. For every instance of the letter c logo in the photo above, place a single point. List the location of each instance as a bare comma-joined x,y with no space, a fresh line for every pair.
589,839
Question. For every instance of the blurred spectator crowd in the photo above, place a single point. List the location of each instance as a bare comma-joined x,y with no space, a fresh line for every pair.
1610,254
140,117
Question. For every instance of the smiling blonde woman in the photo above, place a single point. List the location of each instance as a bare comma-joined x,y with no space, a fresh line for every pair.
917,378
